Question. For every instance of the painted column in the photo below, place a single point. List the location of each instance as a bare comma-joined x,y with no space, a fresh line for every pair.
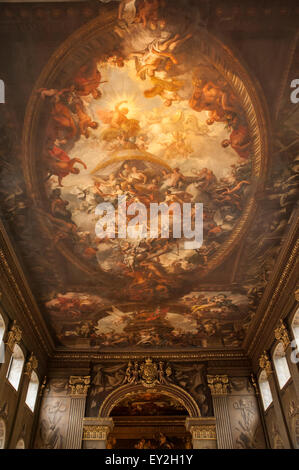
79,388
282,335
203,431
219,385
96,432
265,364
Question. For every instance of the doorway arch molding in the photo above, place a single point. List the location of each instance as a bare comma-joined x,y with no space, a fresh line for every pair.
171,390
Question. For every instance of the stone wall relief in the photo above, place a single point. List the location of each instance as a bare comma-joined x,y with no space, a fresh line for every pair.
54,415
244,415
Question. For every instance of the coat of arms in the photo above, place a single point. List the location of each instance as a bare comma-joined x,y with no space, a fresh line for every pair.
149,373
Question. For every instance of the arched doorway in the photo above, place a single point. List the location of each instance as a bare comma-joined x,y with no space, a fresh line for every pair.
162,416
177,393
149,418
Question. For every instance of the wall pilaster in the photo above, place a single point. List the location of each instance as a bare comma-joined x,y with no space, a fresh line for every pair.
79,388
219,386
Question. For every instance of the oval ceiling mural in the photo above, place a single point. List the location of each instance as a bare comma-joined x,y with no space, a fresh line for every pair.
153,110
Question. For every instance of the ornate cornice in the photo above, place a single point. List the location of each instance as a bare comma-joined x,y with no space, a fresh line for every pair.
20,300
126,356
277,293
218,384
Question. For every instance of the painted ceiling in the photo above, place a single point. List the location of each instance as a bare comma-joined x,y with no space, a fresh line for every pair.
144,103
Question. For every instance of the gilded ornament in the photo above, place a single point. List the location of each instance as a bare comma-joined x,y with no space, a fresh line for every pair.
203,432
31,364
282,335
79,385
265,363
218,384
95,433
14,336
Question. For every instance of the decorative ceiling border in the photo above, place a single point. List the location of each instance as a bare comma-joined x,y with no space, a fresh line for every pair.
277,292
15,286
177,355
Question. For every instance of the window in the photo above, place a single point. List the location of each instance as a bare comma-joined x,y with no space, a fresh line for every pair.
20,444
265,390
295,327
32,391
281,365
2,328
2,433
15,367
2,331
